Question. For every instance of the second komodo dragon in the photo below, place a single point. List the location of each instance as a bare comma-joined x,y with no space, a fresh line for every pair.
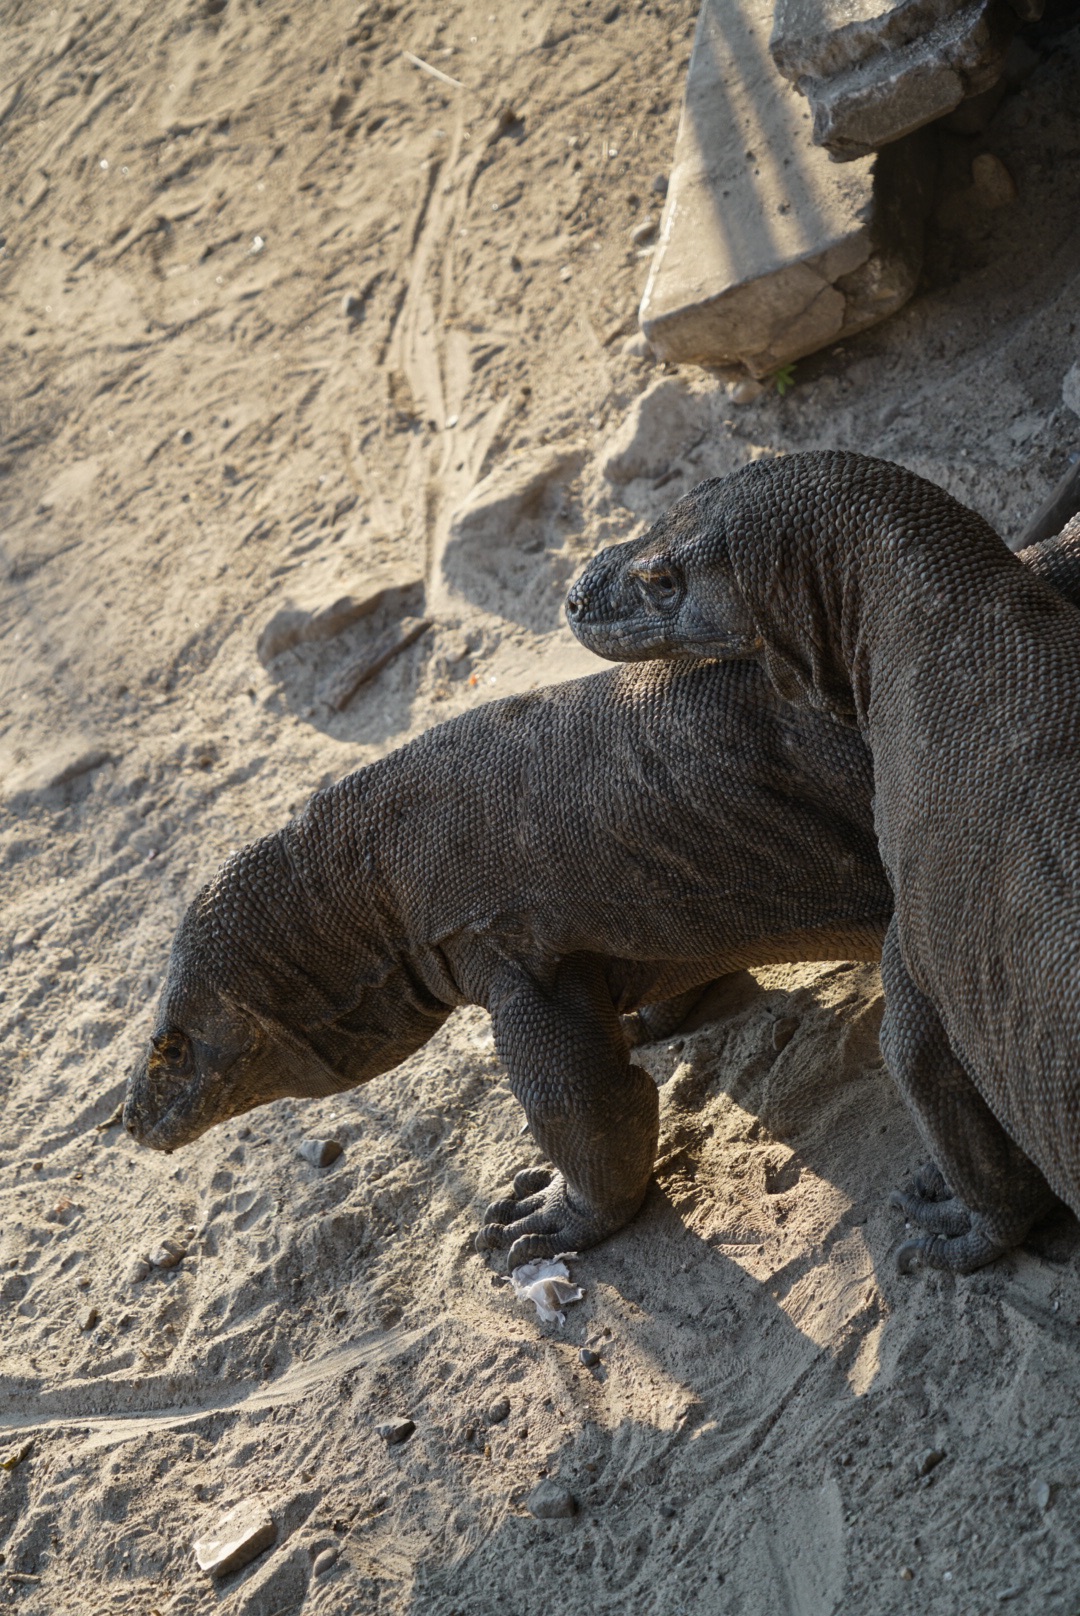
871,594
559,858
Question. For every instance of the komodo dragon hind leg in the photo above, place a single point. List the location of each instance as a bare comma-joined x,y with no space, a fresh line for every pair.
984,1196
593,1114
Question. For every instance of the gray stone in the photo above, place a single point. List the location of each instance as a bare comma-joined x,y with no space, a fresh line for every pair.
550,1502
138,1271
637,346
746,390
928,1461
767,250
784,1030
589,1358
324,1562
395,1431
499,1411
88,1319
1042,1493
875,70
994,186
1070,388
167,1255
245,1531
320,1152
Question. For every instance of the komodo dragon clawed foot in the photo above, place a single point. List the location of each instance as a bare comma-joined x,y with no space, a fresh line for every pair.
990,1193
931,1203
961,1254
541,1219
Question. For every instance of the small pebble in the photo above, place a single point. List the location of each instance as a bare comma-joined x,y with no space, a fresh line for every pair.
88,1319
322,1562
784,1030
138,1271
994,185
928,1461
395,1431
321,1152
351,306
658,185
1041,1494
906,1574
589,1358
167,1255
637,346
499,1411
550,1502
643,232
746,390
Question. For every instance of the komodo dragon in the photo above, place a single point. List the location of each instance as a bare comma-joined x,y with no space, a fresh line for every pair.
872,595
557,858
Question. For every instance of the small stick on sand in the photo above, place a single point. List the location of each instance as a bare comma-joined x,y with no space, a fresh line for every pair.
436,72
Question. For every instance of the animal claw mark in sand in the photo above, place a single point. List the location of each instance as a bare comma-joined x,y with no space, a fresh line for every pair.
85,1400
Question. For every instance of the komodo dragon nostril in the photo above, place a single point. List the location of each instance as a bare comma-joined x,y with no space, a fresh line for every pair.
576,602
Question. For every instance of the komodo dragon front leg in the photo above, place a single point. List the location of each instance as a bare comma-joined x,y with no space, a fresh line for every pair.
985,1194
592,1113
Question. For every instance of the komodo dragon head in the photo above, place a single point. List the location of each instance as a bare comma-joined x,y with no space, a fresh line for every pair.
264,998
681,589
634,601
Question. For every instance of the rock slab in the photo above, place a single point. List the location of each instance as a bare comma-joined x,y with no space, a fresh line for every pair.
238,1537
875,70
768,250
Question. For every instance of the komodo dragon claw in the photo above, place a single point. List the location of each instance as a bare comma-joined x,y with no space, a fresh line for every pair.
539,1220
931,1203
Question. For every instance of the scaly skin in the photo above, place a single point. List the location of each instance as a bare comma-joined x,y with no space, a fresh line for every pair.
869,594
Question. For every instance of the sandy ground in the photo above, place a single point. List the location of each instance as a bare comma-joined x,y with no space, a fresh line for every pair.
195,435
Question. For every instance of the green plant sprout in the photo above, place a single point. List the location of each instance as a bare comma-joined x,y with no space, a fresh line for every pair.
784,378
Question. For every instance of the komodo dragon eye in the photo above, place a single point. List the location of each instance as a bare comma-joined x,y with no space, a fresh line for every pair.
171,1049
658,582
